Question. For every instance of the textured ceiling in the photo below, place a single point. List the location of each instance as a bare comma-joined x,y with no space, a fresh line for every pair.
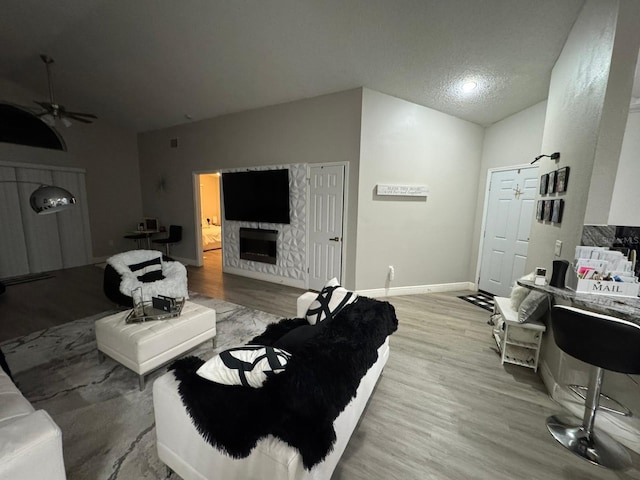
145,64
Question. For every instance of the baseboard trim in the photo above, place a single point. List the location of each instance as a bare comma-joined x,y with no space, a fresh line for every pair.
290,282
417,289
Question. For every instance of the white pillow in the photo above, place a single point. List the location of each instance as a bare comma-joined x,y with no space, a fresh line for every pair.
518,293
249,365
533,307
331,299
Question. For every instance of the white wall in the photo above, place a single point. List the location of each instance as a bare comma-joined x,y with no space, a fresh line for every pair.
515,140
315,130
427,241
109,155
626,192
584,84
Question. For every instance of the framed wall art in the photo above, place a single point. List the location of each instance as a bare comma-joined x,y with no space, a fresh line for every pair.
562,180
551,188
540,210
544,180
547,210
556,212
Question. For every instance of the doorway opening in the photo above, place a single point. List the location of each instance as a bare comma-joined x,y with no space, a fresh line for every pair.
210,221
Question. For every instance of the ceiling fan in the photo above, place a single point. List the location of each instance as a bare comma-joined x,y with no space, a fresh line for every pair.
54,111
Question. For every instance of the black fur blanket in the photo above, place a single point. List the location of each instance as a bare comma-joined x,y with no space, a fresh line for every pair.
299,405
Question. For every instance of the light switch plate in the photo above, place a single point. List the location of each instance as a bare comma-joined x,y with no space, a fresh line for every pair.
558,247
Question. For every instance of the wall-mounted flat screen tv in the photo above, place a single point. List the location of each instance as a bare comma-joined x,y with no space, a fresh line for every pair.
256,196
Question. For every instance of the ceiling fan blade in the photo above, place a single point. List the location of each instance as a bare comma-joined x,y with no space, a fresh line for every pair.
45,105
79,119
89,115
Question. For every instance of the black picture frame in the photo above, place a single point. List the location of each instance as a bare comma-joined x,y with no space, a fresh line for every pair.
540,210
562,180
557,210
544,180
547,210
551,188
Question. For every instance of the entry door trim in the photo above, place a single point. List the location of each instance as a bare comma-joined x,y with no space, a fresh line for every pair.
485,211
345,220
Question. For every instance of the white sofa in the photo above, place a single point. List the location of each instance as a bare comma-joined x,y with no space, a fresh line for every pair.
30,441
184,451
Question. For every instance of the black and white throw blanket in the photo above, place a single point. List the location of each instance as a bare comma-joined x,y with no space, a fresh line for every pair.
299,405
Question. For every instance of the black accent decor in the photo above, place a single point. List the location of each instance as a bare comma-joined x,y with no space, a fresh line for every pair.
300,404
480,299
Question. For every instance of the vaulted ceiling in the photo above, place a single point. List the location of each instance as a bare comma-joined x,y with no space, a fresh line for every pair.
148,64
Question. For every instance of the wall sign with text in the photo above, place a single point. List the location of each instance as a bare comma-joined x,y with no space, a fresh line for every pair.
402,190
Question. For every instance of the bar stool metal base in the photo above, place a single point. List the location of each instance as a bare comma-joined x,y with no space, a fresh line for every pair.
599,449
605,403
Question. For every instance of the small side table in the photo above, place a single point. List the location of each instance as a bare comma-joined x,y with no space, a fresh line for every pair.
519,343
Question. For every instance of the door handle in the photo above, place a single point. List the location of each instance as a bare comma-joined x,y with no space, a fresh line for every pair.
334,239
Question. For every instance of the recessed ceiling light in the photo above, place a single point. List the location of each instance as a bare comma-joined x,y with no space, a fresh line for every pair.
469,86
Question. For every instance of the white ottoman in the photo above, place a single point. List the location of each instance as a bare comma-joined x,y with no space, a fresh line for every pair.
143,347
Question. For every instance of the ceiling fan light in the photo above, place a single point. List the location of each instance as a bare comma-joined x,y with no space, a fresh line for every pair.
66,122
49,199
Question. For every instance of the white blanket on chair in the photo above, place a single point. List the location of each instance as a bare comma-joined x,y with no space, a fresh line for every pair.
174,283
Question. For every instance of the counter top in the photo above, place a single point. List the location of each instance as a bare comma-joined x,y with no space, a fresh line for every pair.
627,308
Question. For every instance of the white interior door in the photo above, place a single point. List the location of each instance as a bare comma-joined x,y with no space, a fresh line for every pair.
510,211
326,201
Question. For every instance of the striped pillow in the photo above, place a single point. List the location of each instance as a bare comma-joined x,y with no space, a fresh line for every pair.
249,366
331,300
149,270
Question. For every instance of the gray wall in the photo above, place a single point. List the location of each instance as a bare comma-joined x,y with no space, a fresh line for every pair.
109,155
586,110
316,130
428,241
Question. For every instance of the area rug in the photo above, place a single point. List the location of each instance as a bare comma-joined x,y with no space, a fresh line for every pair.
480,299
107,423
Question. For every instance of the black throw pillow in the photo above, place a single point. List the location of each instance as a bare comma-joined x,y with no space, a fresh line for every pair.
294,340
151,276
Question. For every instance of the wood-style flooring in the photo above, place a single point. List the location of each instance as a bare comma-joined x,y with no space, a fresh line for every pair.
444,408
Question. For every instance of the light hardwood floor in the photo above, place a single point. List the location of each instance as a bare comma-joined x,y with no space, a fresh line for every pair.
444,408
